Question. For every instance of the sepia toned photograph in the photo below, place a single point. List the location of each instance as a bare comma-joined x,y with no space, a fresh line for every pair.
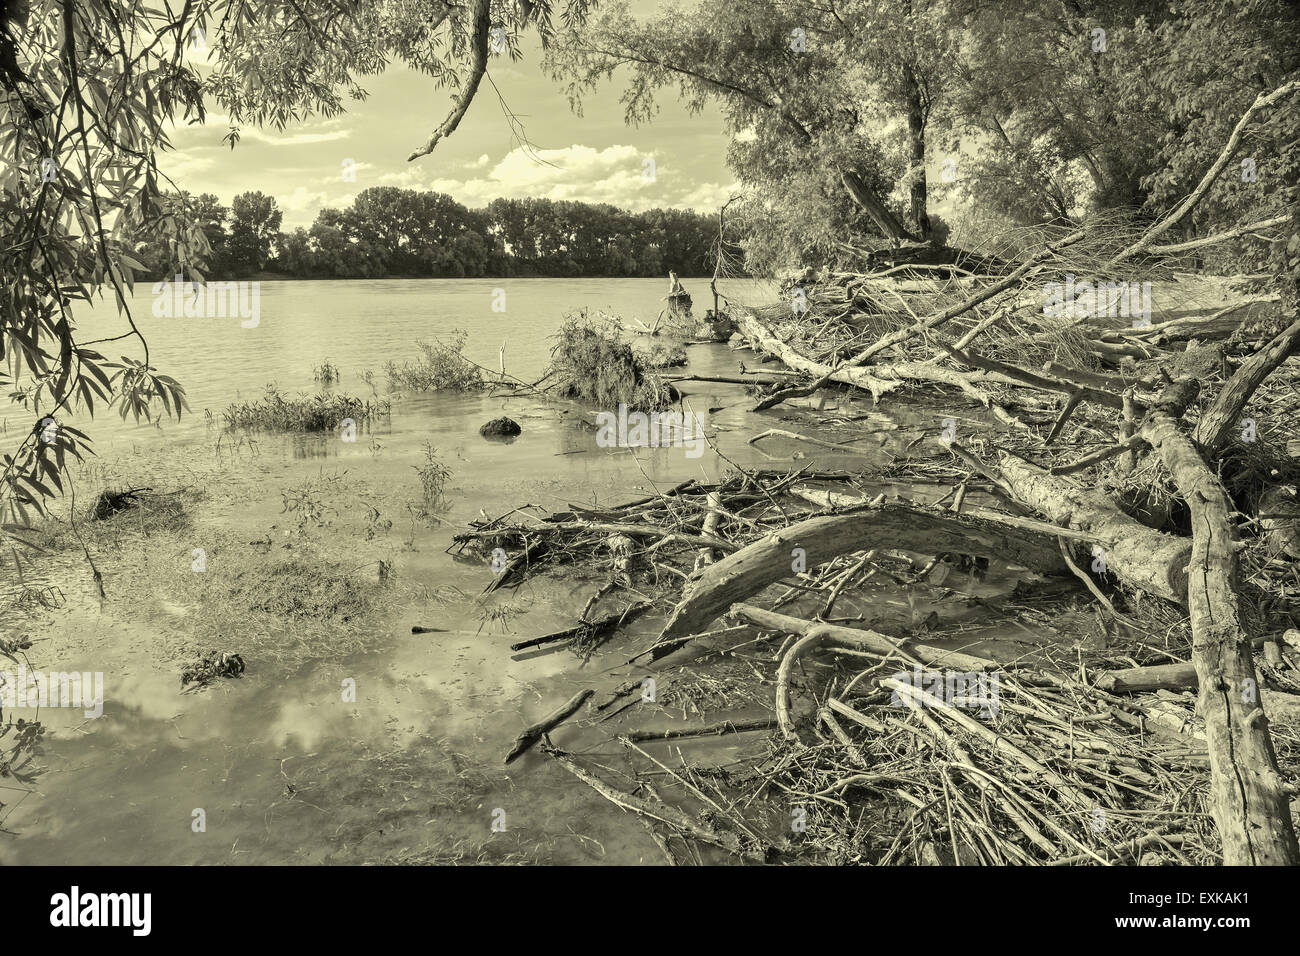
621,433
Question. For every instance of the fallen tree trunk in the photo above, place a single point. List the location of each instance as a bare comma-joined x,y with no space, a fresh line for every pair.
1248,800
1141,556
1132,680
740,575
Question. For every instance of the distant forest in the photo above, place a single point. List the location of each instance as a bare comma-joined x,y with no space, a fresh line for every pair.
392,232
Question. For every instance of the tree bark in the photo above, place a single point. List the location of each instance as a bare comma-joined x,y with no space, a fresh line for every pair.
1248,801
885,220
1223,417
919,211
1141,556
741,575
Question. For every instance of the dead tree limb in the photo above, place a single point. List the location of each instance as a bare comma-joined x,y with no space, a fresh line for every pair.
1223,416
879,379
1190,203
699,829
1224,236
1248,800
534,732
740,575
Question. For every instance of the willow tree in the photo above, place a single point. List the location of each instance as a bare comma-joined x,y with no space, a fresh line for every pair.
88,92
828,106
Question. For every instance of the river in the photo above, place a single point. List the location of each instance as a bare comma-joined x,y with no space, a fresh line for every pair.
277,767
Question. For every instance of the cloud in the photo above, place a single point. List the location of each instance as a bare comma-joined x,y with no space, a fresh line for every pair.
301,200
181,164
208,134
620,175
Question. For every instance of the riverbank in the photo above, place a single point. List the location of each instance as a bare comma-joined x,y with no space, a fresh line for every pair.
737,725
1091,744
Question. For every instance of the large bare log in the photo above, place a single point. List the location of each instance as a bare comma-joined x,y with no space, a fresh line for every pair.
1141,556
1248,800
765,340
743,574
1133,680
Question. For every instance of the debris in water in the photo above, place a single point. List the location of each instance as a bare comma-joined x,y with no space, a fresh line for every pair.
109,502
210,666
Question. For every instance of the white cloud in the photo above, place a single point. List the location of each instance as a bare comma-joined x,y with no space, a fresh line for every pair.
620,175
181,164
301,200
217,125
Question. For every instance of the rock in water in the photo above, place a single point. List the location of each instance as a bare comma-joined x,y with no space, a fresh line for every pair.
500,428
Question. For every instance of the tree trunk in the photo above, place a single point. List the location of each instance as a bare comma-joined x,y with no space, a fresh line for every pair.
885,220
814,541
1223,418
1146,558
1247,798
919,214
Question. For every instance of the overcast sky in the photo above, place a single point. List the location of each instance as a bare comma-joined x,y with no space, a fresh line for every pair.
596,158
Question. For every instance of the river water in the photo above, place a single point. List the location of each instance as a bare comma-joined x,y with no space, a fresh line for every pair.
282,765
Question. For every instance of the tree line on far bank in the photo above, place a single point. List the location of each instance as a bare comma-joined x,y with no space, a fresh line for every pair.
394,232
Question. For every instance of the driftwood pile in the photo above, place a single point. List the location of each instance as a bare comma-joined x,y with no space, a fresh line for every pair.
1125,448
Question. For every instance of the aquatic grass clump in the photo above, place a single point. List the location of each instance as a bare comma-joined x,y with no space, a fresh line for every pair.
300,589
442,368
661,355
327,373
433,481
278,412
591,363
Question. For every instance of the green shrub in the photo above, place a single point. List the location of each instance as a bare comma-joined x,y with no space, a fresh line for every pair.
591,363
442,367
276,412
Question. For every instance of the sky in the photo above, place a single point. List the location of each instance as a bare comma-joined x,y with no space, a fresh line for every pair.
592,158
